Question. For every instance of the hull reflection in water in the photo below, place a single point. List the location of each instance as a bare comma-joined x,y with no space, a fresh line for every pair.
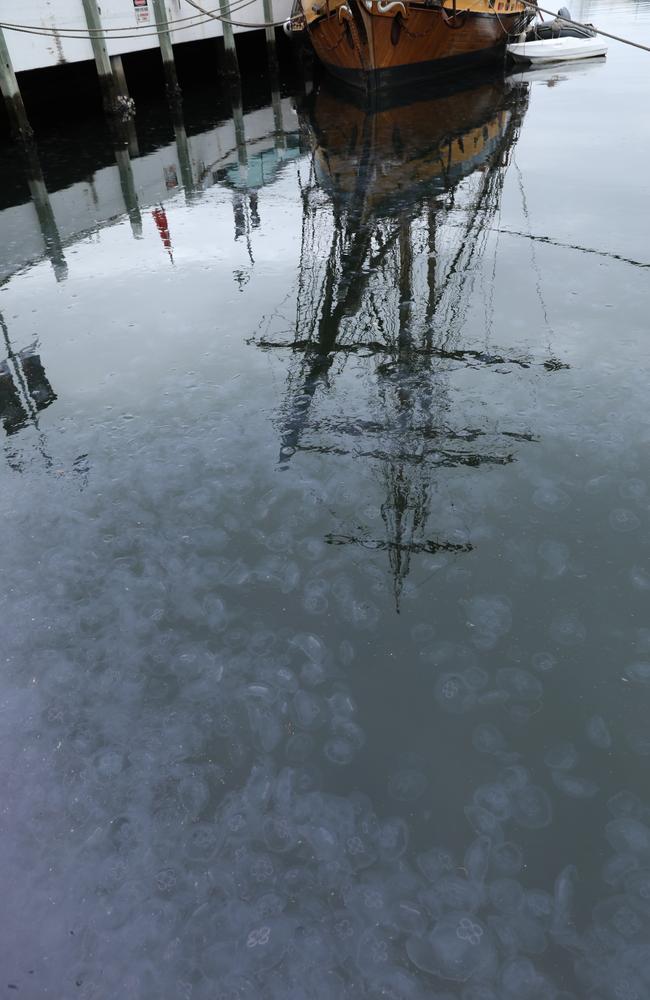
396,211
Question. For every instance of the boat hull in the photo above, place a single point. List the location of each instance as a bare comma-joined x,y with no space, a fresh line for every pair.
557,50
381,52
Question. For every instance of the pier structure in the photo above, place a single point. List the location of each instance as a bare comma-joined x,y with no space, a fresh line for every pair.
45,34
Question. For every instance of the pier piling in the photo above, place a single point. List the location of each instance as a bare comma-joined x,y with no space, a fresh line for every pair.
11,92
102,60
166,51
231,63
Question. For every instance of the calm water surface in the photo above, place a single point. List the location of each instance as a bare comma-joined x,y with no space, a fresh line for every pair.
324,530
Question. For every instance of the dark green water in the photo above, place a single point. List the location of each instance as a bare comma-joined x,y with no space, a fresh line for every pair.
324,528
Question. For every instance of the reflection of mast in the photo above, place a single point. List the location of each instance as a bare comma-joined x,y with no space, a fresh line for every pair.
391,288
24,392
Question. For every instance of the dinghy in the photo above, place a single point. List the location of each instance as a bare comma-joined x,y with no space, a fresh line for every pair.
560,40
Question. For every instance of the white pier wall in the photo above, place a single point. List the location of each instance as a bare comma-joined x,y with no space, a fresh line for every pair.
30,51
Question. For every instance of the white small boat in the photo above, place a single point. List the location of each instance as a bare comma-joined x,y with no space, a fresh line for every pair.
552,50
560,40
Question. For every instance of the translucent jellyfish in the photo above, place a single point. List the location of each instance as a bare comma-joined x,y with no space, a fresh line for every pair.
544,662
279,834
563,893
299,747
521,684
495,798
628,835
484,822
632,489
637,886
393,839
486,738
376,953
204,840
109,763
407,785
410,916
475,678
556,555
573,786
550,497
540,905
520,980
459,948
309,710
489,617
339,751
626,804
194,794
622,520
477,858
514,777
435,862
617,867
562,757
567,629
618,918
452,694
310,645
458,893
506,895
598,732
479,991
532,807
639,673
507,858
265,945
314,599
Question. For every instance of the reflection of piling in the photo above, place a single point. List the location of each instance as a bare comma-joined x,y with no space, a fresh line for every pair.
127,183
41,199
11,92
102,60
278,123
183,150
166,50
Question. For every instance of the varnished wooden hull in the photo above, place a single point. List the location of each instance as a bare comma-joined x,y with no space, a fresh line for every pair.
383,51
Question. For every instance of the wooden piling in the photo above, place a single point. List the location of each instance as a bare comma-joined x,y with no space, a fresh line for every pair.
231,63
119,76
166,50
269,31
20,126
100,52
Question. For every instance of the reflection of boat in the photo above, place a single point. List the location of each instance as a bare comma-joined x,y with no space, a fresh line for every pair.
396,212
378,44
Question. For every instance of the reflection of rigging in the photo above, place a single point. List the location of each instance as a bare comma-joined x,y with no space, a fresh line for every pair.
25,392
384,284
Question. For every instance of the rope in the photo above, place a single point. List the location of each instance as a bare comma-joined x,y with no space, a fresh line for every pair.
606,34
243,24
75,34
92,31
